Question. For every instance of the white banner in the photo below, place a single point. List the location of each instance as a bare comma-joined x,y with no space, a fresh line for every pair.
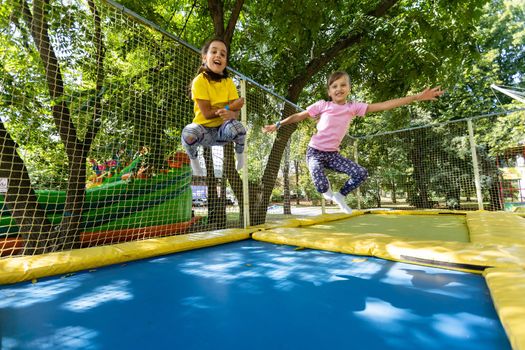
3,184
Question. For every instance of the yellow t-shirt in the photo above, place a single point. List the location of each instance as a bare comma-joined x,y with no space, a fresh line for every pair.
219,93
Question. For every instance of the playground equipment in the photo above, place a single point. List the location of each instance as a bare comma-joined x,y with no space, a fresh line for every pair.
119,210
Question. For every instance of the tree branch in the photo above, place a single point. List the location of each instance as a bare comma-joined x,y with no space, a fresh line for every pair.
39,32
230,28
100,53
187,18
298,83
217,16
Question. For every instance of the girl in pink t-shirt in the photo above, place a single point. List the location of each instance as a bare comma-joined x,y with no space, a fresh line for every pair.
333,118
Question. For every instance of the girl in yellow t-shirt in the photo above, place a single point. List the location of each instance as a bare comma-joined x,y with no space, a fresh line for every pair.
216,107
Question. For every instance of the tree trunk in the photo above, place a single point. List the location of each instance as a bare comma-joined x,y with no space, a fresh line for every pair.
76,149
297,189
489,168
259,205
287,208
495,198
260,194
75,199
234,179
21,200
216,204
394,196
378,193
495,201
421,199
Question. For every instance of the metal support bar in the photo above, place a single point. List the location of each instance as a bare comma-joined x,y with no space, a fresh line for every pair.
245,187
475,163
356,160
514,94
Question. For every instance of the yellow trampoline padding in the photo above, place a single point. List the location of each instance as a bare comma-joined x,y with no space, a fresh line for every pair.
464,256
414,227
418,212
306,221
496,228
26,268
507,288
313,220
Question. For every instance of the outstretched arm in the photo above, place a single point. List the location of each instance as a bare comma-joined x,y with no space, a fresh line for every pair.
425,95
294,118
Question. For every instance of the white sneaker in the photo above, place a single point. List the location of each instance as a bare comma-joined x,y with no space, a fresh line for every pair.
328,195
341,202
239,161
196,167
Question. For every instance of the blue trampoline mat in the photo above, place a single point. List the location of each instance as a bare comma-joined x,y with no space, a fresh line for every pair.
253,295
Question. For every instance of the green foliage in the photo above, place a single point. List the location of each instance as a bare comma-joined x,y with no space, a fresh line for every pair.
277,195
506,133
463,45
141,96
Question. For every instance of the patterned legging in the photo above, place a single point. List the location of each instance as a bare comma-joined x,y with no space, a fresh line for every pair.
319,160
195,135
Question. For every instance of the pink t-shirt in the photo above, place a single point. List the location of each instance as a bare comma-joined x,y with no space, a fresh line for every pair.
332,122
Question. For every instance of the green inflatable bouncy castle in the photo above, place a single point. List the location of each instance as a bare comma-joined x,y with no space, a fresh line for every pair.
119,210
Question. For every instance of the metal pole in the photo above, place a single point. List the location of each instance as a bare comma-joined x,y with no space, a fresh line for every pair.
245,188
356,159
475,164
508,93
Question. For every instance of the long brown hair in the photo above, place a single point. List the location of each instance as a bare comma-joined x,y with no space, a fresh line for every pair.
208,74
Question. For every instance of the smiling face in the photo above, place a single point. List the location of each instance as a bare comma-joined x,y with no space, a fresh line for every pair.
339,90
216,57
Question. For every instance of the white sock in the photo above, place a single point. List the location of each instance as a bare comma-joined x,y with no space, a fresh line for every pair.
341,202
328,195
196,167
239,161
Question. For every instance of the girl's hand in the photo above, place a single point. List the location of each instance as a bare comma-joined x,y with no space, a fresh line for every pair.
430,94
231,111
269,128
226,114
